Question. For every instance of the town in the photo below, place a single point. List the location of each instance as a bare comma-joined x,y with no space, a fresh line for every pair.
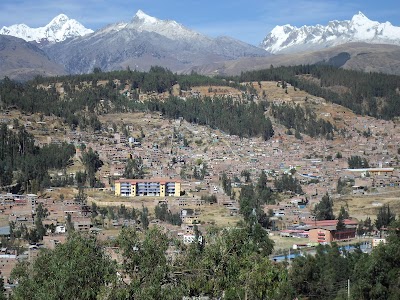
186,178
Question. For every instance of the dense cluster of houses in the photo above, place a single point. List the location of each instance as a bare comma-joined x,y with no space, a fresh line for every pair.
190,160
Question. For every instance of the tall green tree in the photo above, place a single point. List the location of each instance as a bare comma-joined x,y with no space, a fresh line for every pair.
376,276
324,209
64,273
145,263
134,169
384,217
356,162
92,163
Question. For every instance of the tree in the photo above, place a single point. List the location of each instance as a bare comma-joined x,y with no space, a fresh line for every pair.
92,163
357,162
235,266
81,197
384,217
209,198
340,225
343,214
134,169
375,276
97,70
321,275
64,273
80,178
288,183
69,224
144,217
246,175
341,185
324,209
145,263
262,190
226,184
94,210
41,213
2,289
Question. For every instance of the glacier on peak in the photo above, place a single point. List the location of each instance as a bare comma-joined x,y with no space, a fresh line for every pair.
59,29
290,39
168,28
141,15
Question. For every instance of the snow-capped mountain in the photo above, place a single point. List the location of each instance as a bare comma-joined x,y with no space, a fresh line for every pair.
168,28
290,39
143,42
141,22
58,30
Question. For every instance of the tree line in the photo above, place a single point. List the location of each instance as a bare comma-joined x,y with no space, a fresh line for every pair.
302,120
233,264
233,117
374,94
27,165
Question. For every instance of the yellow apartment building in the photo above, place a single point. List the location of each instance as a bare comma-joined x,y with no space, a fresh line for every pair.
147,187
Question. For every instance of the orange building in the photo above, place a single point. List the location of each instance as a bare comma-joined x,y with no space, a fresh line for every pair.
326,232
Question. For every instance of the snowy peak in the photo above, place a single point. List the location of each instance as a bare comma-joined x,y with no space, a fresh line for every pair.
61,18
168,28
290,39
360,16
59,29
361,20
140,15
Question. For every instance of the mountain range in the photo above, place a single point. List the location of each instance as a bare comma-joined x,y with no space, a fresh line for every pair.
59,29
143,42
291,39
66,47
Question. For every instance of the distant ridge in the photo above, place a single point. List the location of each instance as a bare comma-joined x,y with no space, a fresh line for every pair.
21,60
291,39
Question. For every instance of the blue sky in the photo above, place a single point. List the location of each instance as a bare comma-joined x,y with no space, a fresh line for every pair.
247,20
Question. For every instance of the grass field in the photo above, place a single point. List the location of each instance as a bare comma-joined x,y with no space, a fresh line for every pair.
362,206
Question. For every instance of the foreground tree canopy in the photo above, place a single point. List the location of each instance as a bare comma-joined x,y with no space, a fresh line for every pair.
78,269
234,264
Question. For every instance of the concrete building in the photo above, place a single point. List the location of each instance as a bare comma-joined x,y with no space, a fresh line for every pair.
329,234
147,187
325,232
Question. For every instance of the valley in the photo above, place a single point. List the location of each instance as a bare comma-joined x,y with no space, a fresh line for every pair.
144,159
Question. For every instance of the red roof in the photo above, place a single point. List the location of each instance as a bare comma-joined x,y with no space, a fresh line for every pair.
330,222
160,180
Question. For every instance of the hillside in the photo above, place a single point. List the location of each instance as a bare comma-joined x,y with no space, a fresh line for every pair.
181,137
360,56
21,60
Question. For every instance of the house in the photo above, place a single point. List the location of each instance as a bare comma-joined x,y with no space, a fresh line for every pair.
51,241
191,238
189,216
376,242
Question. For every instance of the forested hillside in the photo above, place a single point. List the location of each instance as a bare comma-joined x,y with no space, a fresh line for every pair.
84,97
373,94
83,100
26,164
